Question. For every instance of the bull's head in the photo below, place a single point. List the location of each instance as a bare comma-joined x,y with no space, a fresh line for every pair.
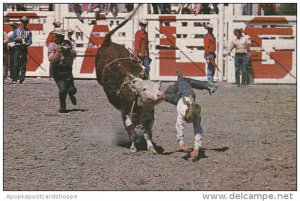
148,91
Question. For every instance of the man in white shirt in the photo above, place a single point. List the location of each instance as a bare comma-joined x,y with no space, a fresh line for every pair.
239,43
182,95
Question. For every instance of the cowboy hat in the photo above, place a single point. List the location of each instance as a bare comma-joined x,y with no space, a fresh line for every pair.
193,113
57,24
208,26
143,22
70,31
24,19
238,30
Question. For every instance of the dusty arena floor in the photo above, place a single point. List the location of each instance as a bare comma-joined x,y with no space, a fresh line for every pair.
249,142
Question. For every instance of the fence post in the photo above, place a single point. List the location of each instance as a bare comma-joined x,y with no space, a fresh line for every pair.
221,42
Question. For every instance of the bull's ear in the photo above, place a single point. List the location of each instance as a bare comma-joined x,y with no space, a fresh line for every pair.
131,83
132,78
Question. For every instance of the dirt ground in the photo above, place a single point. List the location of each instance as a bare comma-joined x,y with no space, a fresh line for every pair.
249,141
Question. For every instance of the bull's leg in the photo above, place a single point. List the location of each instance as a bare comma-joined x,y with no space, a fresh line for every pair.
131,132
148,136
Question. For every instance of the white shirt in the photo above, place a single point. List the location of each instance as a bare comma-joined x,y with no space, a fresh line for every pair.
239,44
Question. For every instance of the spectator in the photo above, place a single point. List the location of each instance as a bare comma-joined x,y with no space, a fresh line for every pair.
165,8
197,8
61,55
141,45
51,7
23,39
268,9
114,9
78,11
129,6
185,8
106,8
97,8
206,8
155,7
239,43
20,7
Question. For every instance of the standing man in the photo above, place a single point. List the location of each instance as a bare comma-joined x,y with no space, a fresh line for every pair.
23,39
239,43
11,48
5,55
182,95
141,45
61,55
209,53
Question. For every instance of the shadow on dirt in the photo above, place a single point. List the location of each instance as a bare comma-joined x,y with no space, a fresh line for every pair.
77,110
222,149
202,153
121,140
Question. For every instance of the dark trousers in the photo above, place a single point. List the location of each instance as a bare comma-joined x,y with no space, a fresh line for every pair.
5,61
184,87
62,74
20,62
11,61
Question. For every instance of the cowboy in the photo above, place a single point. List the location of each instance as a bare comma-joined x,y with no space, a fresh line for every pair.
11,46
182,95
240,43
209,52
23,39
61,55
141,45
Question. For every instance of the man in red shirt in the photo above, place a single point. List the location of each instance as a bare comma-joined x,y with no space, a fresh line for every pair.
51,36
141,45
210,55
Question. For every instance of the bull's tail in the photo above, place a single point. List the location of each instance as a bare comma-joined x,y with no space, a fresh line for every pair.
109,34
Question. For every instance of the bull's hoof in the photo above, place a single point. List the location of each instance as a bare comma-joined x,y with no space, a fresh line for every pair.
152,150
133,150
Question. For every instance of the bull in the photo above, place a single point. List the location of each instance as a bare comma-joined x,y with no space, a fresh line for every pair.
128,87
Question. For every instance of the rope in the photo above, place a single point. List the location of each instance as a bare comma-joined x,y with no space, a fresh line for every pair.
122,58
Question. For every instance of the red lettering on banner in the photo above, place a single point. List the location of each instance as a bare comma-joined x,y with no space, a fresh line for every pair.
283,59
168,63
88,63
35,53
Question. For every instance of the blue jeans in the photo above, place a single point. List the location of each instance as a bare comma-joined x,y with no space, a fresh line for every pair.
182,88
146,63
210,68
240,62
